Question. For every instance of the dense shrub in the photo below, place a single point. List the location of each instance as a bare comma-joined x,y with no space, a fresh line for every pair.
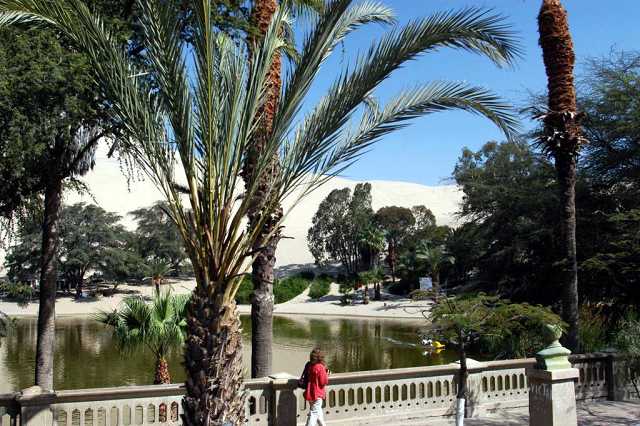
400,288
308,275
341,278
243,296
593,329
627,338
319,288
21,293
283,289
422,295
288,288
346,299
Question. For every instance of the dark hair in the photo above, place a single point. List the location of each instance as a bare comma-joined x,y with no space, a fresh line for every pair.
316,356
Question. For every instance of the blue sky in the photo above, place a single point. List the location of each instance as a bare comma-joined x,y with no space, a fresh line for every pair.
426,151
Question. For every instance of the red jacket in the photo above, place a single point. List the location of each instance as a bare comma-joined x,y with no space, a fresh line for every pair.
317,379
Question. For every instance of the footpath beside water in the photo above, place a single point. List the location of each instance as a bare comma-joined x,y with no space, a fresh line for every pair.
330,305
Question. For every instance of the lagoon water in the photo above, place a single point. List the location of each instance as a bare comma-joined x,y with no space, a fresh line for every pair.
87,356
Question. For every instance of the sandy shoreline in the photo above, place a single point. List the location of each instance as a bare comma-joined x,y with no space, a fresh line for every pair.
327,306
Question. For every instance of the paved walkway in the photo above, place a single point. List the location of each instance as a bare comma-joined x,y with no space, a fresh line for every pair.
601,413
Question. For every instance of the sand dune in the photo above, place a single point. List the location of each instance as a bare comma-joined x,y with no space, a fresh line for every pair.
112,192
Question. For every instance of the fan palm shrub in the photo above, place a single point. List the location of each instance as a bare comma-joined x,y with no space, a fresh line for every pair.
195,130
158,326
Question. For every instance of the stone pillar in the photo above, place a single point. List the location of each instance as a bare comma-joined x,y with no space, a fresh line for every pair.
552,398
36,407
284,409
615,376
474,387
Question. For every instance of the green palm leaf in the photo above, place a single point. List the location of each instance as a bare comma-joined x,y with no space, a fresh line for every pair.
158,326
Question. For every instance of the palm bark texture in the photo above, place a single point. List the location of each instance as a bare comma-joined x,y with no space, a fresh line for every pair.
562,138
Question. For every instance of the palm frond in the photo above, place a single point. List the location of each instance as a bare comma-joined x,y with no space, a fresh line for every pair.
305,9
332,27
470,29
339,152
159,325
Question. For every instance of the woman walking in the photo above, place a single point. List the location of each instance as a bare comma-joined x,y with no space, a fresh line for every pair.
317,377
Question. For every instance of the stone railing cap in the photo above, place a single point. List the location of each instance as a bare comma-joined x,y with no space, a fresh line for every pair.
281,376
554,375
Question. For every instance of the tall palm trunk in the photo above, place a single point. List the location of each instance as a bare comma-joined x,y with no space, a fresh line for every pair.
213,360
162,376
435,281
263,276
48,275
562,137
391,259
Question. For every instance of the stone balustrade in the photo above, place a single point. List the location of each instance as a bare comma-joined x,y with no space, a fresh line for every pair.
358,398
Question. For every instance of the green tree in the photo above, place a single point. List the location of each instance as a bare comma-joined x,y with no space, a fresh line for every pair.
52,120
51,123
608,196
210,117
22,258
158,237
510,216
425,229
329,238
158,326
608,94
90,238
462,321
371,277
87,232
465,245
338,226
614,270
396,224
122,262
562,139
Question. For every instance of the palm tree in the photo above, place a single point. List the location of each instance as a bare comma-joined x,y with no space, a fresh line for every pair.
433,258
372,242
562,139
159,327
204,122
263,275
158,269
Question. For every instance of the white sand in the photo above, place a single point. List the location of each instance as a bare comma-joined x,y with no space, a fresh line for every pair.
329,305
111,191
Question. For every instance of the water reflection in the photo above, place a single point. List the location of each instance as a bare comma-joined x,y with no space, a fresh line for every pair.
86,355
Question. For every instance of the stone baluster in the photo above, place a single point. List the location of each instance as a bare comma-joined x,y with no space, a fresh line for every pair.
552,400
